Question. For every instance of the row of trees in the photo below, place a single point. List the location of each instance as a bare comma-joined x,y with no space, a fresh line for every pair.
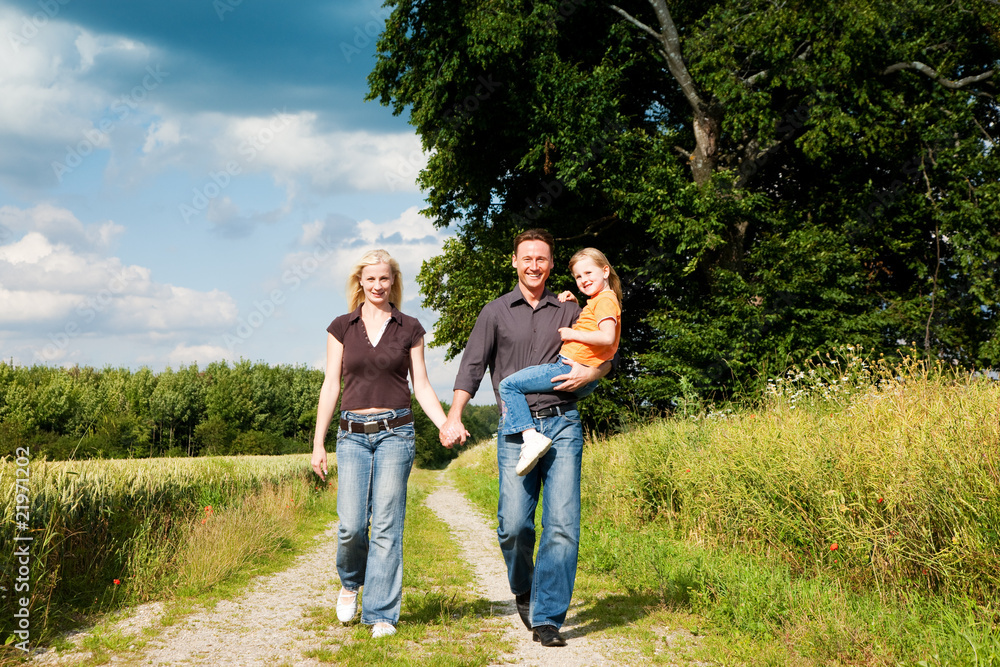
243,408
768,178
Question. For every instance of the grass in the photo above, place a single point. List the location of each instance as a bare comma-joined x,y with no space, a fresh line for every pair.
442,622
851,517
111,534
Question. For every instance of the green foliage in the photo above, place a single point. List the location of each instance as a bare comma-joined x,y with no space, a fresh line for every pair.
116,412
848,197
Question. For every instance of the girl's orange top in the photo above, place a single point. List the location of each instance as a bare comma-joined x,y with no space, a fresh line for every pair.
601,307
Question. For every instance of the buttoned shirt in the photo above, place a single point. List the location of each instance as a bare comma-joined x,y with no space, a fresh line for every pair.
510,335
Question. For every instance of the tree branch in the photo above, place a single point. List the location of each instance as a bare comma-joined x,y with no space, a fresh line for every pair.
670,47
636,22
928,71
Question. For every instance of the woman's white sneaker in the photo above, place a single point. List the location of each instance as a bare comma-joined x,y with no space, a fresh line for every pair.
382,630
347,605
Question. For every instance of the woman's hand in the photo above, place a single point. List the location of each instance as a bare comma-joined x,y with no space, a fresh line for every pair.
319,461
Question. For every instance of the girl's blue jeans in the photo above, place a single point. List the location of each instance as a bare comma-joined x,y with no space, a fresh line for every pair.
515,415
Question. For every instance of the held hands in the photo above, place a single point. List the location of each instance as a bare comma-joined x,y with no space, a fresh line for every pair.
566,296
452,433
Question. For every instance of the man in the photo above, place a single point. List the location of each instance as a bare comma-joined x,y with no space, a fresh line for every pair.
517,330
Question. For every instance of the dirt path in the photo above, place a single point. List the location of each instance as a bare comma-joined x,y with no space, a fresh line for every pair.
478,543
261,627
267,625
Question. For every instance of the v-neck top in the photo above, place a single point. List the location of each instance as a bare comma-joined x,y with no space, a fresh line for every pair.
376,375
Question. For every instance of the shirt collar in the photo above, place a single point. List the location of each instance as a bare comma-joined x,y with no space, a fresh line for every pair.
356,314
515,297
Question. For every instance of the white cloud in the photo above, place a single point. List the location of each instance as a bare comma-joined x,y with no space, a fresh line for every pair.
292,148
54,293
59,225
185,355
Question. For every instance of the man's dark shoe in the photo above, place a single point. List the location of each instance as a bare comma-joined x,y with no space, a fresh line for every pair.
523,604
548,635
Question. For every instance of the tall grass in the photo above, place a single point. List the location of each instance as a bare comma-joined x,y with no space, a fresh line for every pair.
887,474
120,531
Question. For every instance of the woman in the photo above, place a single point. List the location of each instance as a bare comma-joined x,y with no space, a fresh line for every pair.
371,349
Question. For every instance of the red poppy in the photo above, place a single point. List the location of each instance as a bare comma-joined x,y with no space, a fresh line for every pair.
880,499
208,509
117,581
834,546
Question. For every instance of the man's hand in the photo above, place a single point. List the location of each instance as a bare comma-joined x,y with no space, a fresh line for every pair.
578,377
452,433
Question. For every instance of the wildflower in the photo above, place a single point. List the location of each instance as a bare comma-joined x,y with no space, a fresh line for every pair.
880,499
208,509
117,581
834,546
204,520
688,470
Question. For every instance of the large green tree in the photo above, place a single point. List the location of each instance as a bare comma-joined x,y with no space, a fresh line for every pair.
769,178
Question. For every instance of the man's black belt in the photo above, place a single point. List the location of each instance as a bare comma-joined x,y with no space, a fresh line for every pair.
554,411
374,426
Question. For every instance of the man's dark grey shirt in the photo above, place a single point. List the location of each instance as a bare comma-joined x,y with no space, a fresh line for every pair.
509,335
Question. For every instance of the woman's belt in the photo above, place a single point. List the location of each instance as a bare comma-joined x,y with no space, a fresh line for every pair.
374,426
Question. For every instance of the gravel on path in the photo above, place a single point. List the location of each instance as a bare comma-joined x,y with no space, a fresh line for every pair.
478,544
264,626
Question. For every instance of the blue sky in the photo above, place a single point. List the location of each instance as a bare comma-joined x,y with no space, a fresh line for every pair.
190,181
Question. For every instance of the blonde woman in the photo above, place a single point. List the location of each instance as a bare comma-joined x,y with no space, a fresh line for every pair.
371,349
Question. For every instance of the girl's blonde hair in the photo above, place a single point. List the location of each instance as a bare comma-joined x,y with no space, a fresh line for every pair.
601,261
356,294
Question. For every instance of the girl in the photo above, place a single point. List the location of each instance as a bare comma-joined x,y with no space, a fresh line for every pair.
591,341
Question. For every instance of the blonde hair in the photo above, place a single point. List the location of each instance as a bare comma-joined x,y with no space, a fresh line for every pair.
356,294
601,261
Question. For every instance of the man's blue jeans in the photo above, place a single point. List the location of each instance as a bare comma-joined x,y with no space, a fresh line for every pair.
550,580
515,415
372,472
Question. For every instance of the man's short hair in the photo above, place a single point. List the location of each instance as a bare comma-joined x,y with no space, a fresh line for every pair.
535,235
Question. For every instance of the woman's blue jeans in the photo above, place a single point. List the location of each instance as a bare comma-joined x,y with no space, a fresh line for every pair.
515,415
372,472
